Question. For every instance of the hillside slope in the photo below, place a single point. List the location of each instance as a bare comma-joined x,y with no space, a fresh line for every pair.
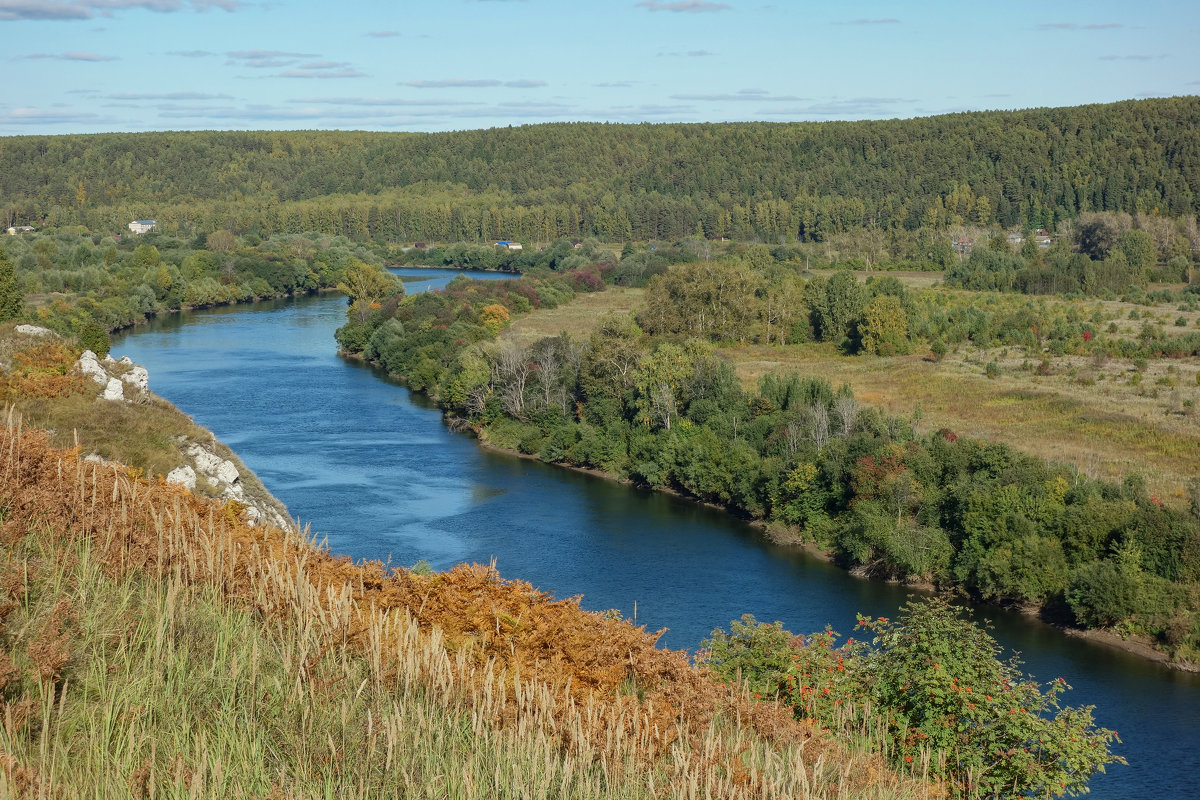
155,645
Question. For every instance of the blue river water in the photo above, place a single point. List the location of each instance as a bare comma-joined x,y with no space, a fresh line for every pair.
371,468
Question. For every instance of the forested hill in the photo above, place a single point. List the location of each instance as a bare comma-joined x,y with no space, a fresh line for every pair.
805,180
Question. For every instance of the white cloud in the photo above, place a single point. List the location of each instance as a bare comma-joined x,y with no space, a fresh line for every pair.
167,96
11,10
37,116
387,101
322,73
746,95
78,56
684,6
473,83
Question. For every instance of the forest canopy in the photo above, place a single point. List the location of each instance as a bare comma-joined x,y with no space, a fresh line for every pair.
770,181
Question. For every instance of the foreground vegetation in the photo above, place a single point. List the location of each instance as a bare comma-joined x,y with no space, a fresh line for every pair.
934,682
152,645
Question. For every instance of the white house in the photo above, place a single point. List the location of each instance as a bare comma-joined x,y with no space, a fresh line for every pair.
142,225
14,230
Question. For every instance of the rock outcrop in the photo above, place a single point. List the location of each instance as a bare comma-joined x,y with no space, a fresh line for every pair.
206,471
123,381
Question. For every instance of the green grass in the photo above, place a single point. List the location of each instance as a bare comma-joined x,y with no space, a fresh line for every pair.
171,690
153,646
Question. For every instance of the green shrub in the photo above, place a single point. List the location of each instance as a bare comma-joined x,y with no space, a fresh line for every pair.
936,680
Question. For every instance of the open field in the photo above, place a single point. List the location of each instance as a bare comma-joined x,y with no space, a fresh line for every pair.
1105,417
578,318
1094,418
911,279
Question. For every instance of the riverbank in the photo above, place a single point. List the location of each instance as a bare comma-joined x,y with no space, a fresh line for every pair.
789,537
104,408
372,466
232,303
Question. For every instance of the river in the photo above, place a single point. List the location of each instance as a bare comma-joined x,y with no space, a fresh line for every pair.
371,467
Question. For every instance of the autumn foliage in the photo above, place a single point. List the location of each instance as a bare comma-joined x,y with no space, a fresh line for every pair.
514,657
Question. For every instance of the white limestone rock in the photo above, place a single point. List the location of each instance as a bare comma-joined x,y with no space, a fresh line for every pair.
185,476
218,470
34,330
227,473
89,365
138,377
115,390
206,463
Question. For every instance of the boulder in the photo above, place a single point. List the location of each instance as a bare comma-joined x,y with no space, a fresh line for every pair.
34,330
218,470
185,476
137,377
89,365
115,390
227,473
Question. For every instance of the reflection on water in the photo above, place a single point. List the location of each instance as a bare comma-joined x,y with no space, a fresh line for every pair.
373,469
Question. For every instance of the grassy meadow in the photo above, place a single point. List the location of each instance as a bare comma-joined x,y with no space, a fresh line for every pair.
1108,417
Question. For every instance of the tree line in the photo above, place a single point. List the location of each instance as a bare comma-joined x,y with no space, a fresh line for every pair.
87,285
786,181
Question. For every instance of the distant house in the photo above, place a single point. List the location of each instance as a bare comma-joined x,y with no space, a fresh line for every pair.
14,230
142,225
1015,239
963,246
509,245
577,245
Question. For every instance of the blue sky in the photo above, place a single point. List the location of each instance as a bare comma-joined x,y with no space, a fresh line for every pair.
82,66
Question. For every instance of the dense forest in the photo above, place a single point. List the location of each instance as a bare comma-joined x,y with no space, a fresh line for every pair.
772,182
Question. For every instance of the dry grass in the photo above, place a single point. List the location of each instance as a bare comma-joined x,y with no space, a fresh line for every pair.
157,646
578,318
1107,428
